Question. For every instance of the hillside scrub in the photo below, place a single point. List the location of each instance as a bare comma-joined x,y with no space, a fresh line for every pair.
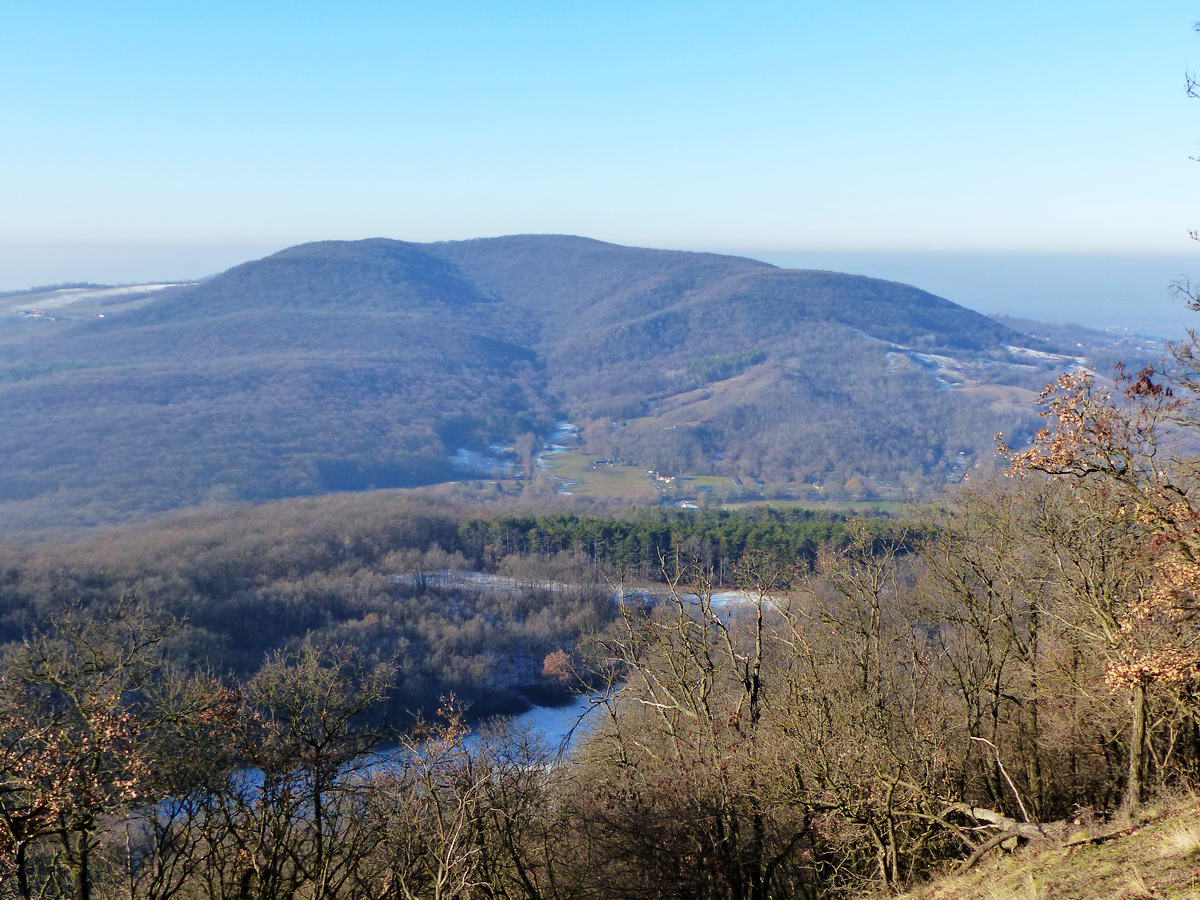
901,701
361,570
880,702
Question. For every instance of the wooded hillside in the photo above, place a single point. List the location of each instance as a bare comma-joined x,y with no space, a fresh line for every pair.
347,366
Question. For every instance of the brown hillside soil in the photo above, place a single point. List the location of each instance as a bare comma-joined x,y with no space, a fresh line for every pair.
1155,858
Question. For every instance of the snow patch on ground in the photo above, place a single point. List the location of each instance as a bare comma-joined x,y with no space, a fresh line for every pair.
564,437
944,367
1027,353
484,465
67,296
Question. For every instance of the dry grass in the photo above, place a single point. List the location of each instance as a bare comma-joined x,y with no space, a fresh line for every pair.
1157,858
1137,888
1030,890
1183,840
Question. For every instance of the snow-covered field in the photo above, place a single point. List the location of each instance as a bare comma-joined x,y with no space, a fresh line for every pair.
49,300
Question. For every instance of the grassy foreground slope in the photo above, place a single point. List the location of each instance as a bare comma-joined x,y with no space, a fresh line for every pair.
1156,857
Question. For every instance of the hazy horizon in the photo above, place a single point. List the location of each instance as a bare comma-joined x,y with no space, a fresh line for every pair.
1027,158
935,128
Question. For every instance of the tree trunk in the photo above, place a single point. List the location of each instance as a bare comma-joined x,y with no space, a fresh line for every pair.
23,872
81,874
1137,751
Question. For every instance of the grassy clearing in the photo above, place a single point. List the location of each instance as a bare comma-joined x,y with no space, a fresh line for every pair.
633,484
608,482
1157,859
716,482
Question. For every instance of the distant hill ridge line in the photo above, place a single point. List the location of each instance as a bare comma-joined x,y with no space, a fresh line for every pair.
518,268
346,365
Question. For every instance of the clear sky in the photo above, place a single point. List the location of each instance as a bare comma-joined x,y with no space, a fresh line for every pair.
143,140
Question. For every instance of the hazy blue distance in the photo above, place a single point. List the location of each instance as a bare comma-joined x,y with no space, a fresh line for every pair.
145,140
1100,290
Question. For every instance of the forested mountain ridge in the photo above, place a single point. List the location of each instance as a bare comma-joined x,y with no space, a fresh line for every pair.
349,365
611,285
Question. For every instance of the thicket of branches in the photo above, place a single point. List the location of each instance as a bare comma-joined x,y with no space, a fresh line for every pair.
364,570
848,725
895,702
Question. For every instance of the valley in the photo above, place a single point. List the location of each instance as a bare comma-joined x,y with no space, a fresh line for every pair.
354,366
386,513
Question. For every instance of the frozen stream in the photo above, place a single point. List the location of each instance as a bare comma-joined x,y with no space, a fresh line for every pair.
564,438
560,728
490,583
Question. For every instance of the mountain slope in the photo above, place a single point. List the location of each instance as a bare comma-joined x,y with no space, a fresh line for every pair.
328,367
349,365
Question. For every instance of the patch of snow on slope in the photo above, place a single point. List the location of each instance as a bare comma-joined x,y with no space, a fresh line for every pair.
1042,354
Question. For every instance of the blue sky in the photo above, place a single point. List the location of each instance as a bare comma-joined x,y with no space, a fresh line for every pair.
148,140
